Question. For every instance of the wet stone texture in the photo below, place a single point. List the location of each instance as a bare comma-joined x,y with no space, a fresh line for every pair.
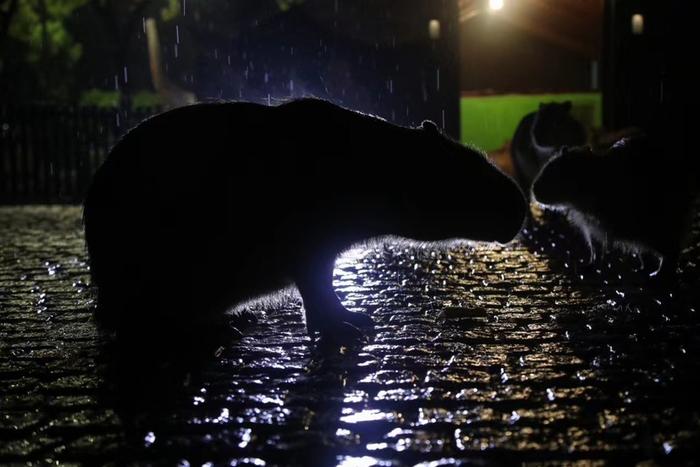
481,354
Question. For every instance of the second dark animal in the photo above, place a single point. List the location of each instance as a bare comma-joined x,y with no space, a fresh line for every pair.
635,196
538,138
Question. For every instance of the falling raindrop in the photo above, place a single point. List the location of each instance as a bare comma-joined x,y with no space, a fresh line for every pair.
149,439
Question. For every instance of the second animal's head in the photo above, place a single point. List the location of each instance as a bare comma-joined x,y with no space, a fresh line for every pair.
564,178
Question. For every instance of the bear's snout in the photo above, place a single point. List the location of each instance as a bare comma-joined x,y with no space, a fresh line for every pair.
512,209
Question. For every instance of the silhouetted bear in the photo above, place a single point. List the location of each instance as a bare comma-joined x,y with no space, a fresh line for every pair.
204,206
633,196
539,136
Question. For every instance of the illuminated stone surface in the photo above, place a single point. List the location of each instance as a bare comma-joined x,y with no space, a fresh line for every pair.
496,353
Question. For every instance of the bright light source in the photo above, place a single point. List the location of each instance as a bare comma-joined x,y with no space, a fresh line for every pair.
434,29
495,5
637,24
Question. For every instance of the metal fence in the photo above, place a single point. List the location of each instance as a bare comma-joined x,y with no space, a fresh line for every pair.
49,153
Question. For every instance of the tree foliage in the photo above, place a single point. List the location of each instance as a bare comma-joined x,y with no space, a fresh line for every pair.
43,50
68,50
39,25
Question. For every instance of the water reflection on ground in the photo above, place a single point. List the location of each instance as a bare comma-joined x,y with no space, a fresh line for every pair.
506,353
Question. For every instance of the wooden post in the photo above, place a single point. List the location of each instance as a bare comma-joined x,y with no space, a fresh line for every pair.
27,179
13,156
4,150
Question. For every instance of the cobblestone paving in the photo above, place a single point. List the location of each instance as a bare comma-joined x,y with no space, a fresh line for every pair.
481,354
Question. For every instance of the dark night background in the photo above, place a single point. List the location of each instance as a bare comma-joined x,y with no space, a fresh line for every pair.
79,73
369,55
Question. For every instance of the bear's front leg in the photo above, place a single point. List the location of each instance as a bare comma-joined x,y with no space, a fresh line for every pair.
323,310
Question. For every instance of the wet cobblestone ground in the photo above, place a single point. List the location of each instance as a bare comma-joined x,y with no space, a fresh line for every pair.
481,354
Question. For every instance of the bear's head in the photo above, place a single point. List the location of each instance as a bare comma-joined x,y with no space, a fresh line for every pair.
461,194
563,181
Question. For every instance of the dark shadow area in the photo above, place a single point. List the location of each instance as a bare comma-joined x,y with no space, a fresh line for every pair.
270,393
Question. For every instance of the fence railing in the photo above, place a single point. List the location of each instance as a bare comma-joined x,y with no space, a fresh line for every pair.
48,153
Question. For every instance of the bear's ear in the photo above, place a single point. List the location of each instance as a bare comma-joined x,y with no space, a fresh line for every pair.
567,105
430,127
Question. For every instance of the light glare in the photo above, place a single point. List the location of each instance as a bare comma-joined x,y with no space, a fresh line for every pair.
434,29
637,24
495,5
